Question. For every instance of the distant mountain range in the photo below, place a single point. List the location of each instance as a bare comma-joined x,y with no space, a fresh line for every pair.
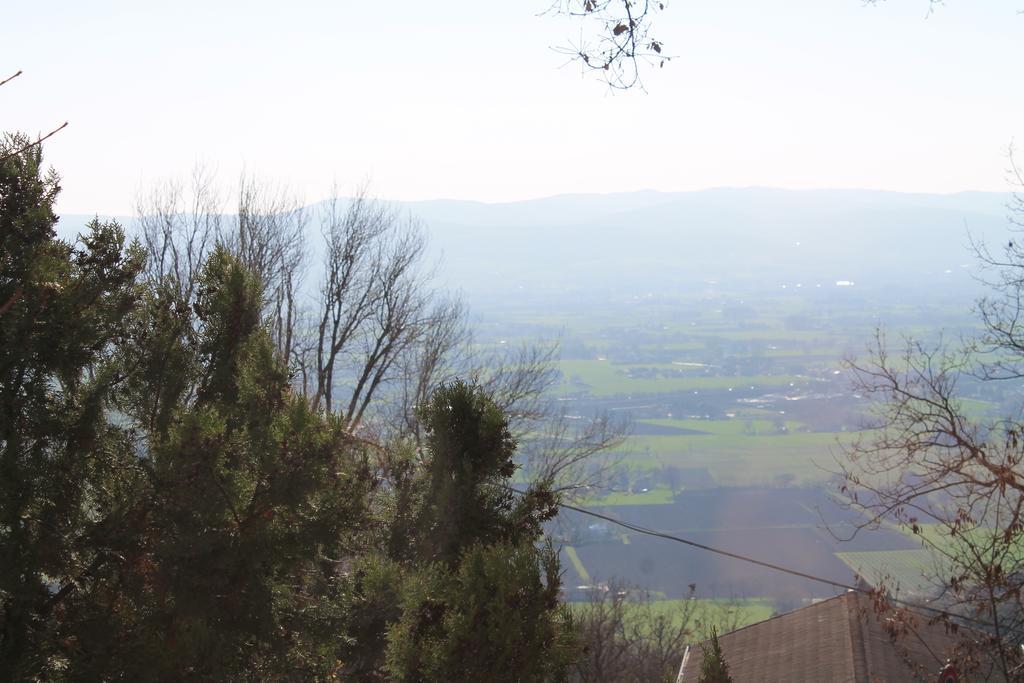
638,242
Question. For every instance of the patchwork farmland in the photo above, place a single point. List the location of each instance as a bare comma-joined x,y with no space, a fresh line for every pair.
739,406
797,528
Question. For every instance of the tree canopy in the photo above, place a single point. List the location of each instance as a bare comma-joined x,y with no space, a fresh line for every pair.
172,507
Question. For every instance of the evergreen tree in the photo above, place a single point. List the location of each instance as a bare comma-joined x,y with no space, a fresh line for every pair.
467,476
497,618
63,466
469,591
253,504
714,668
170,510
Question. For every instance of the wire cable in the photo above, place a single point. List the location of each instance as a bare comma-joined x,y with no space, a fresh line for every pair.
718,551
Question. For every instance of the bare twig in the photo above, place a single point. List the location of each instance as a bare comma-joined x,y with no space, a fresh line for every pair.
619,43
35,143
10,78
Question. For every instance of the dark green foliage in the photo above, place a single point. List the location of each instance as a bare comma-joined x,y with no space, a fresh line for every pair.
470,463
468,591
160,366
168,509
485,607
249,495
496,619
171,510
714,668
62,312
373,603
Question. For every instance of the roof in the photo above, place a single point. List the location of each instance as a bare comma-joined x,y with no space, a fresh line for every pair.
839,639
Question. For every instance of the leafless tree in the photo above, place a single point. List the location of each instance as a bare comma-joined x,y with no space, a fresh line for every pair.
347,291
179,230
440,356
381,336
569,453
268,235
516,377
556,447
627,637
397,322
574,453
381,325
954,480
1002,311
615,39
265,230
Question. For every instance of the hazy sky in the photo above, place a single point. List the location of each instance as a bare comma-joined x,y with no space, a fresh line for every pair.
465,99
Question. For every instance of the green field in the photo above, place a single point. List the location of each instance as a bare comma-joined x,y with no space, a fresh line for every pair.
982,540
604,378
738,452
656,496
702,614
909,571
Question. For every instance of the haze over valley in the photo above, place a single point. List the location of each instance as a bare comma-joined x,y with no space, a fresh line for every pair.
716,324
577,340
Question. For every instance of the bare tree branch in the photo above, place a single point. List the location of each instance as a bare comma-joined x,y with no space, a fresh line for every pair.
178,231
11,78
269,237
615,41
954,482
35,143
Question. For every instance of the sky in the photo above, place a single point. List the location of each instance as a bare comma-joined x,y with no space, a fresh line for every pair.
466,99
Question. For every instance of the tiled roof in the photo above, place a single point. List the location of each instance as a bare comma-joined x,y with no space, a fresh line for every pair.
840,639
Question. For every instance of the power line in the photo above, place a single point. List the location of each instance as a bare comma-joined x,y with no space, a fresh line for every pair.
761,563
718,551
